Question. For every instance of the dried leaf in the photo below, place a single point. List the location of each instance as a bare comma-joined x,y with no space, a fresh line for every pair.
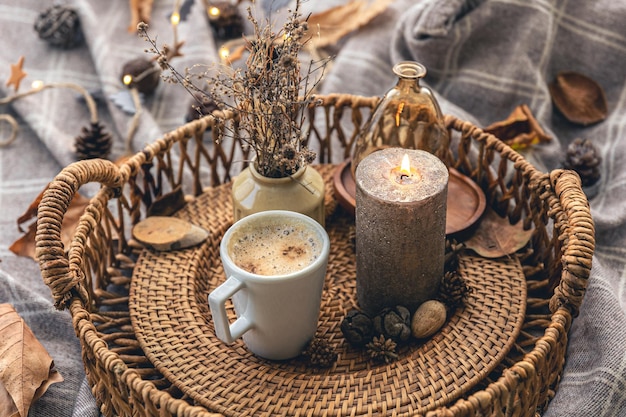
520,129
579,98
31,211
140,11
495,236
237,53
25,246
328,27
26,368
167,204
6,402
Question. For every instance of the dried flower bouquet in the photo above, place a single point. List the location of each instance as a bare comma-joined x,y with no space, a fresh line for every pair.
270,94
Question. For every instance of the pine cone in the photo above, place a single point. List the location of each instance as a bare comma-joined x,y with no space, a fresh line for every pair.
454,290
583,158
93,142
451,260
319,353
382,350
59,26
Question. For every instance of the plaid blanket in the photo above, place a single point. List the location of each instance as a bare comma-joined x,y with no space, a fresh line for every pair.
483,59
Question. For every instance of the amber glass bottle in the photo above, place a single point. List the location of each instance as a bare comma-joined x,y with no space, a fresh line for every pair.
408,116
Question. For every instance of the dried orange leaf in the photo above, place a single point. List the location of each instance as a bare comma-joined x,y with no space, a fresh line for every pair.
140,11
579,98
520,129
7,406
25,365
328,27
236,53
495,236
25,245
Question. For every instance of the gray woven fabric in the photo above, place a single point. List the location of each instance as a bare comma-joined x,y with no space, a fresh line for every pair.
483,58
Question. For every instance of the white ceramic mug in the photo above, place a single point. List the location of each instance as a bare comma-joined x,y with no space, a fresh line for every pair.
277,313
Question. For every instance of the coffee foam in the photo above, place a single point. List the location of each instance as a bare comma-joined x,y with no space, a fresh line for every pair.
275,249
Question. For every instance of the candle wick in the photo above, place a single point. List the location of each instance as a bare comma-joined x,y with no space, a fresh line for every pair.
403,176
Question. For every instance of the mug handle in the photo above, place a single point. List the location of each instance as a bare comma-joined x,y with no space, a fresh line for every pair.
217,300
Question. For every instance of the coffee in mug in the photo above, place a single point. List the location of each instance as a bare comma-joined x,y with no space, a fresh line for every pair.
275,265
274,248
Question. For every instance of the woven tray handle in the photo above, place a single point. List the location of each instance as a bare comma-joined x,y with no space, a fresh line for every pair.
64,281
579,243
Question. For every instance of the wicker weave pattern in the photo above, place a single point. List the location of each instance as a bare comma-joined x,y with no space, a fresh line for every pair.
172,323
93,279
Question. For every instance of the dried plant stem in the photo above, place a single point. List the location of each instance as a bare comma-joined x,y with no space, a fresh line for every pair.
134,123
270,95
91,103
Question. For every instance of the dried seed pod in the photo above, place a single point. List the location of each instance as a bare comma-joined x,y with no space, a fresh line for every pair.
393,323
428,319
579,98
382,349
59,26
225,20
201,105
142,74
357,328
319,353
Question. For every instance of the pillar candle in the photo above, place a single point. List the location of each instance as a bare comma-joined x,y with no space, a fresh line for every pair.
400,228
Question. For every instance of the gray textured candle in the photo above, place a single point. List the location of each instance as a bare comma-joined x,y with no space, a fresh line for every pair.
400,228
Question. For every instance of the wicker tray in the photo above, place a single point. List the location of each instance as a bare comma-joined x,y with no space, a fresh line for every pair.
169,313
93,276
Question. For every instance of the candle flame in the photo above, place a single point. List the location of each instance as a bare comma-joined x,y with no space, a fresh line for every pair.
405,166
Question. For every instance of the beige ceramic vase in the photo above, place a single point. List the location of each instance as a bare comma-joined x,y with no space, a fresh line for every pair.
302,192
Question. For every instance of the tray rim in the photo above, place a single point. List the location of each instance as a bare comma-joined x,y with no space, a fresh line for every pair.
162,367
534,372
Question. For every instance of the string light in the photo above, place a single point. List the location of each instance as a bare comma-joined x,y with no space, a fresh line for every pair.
37,85
224,52
214,11
175,18
127,79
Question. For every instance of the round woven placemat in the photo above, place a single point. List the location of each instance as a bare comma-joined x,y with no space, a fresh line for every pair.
172,321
